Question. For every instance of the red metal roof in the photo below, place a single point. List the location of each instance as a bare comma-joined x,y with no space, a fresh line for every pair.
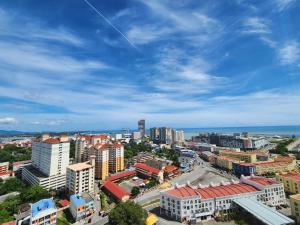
21,162
149,169
263,181
115,190
170,168
212,192
63,202
121,175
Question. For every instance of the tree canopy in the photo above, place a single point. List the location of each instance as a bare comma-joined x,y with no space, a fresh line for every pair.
127,213
12,153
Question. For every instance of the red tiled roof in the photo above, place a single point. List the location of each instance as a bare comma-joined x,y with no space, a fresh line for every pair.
246,164
170,168
102,136
263,181
121,175
21,162
115,190
212,192
149,169
52,140
64,202
293,175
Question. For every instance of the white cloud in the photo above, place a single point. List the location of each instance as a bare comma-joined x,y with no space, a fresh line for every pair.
146,34
284,4
8,120
256,25
289,53
185,73
26,28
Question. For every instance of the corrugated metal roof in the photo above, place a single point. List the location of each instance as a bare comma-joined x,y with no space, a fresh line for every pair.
262,212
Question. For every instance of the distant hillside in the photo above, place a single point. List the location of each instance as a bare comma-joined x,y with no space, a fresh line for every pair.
11,132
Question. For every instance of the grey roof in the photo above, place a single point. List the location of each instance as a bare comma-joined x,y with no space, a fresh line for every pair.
262,212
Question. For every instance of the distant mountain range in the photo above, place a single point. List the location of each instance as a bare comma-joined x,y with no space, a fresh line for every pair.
11,132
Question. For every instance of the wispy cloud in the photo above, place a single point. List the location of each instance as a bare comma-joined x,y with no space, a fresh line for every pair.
284,4
8,120
146,34
24,28
183,72
256,25
289,53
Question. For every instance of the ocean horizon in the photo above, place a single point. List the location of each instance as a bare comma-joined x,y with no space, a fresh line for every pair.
288,130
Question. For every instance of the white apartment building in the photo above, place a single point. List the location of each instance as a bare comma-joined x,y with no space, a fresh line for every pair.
136,135
81,177
179,136
50,158
198,203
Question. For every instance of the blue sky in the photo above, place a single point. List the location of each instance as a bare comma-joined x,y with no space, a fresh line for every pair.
179,63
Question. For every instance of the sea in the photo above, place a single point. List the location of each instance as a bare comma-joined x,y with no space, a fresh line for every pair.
266,130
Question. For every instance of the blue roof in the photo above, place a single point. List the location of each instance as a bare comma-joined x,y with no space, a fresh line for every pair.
41,206
77,200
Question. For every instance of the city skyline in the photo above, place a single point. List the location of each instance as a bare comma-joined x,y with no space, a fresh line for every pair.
188,64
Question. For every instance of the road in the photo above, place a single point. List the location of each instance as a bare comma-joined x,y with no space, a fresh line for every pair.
12,194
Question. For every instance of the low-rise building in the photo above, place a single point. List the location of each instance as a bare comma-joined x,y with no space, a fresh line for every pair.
4,172
171,171
225,162
244,168
295,206
81,206
18,166
241,156
274,167
202,202
4,167
81,177
290,181
149,172
207,156
158,163
43,212
115,191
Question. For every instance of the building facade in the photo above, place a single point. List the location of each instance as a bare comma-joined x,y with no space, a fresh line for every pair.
198,203
81,206
43,212
50,158
295,206
142,127
290,181
81,177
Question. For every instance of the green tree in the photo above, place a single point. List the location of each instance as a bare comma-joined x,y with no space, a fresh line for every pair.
10,185
5,216
103,200
72,149
34,193
135,191
127,213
